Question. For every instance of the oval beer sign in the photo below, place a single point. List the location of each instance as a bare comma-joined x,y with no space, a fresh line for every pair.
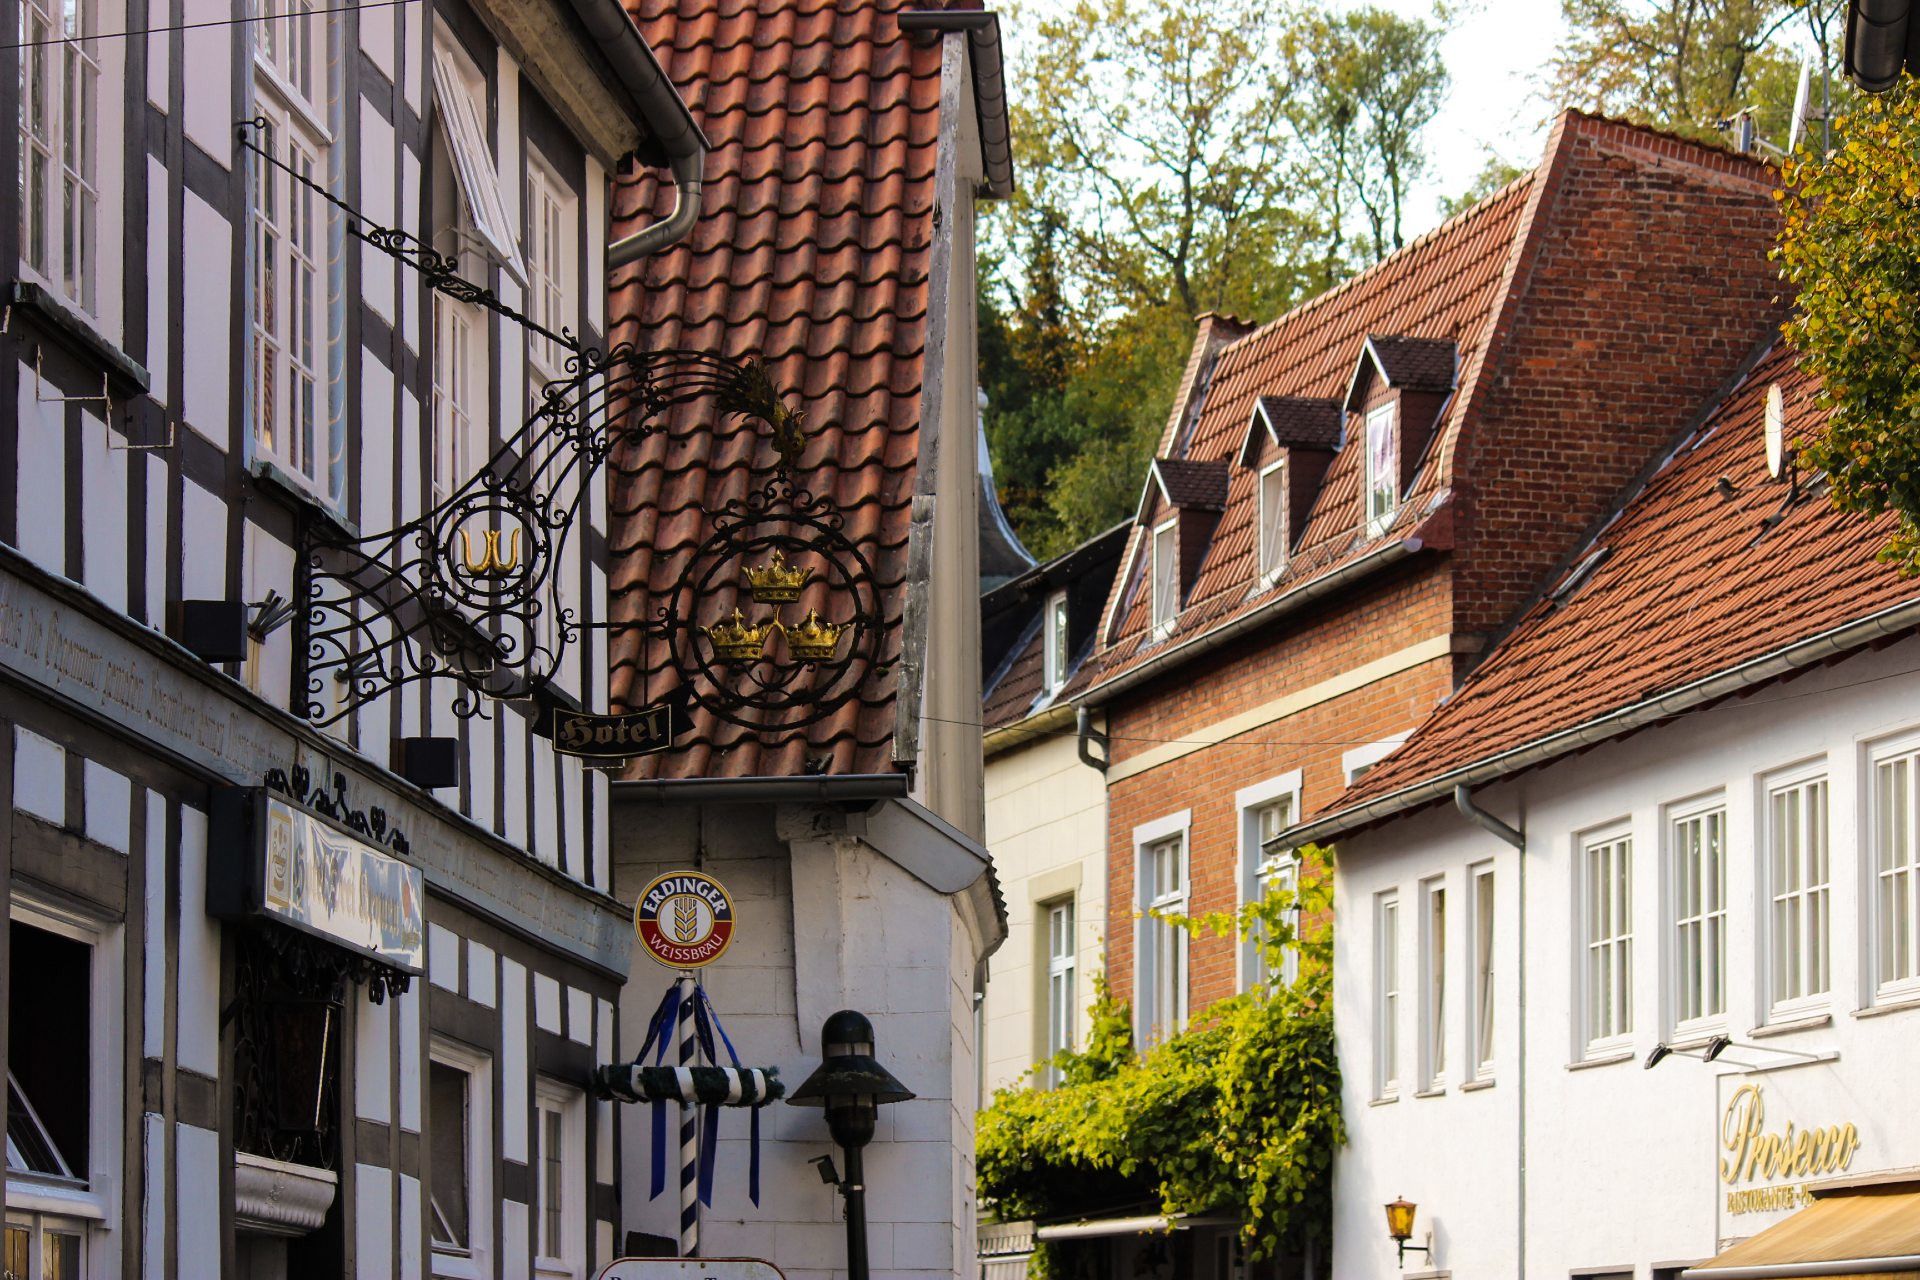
684,919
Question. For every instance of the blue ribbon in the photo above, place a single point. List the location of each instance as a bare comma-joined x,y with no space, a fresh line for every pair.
660,1033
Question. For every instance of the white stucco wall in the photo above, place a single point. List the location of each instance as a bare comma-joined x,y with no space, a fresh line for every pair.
1621,1163
824,923
1047,828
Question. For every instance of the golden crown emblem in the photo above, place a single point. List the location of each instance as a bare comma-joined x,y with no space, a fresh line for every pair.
814,640
737,640
776,582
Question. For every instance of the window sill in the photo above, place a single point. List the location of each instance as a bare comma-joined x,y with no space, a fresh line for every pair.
272,475
59,321
1432,1091
66,1202
1605,1059
1788,1025
1384,1100
1474,1086
455,1266
1696,1035
1890,1004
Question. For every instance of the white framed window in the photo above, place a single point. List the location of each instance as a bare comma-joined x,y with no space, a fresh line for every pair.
1273,520
1266,809
459,1159
560,1188
1166,577
1062,966
1386,994
1355,763
290,295
1697,889
459,100
1433,983
1606,907
1057,653
1480,907
63,1092
1892,780
553,269
1382,495
59,148
1796,872
1160,1008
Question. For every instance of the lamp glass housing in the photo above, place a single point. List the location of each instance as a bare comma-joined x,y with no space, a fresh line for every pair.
1400,1219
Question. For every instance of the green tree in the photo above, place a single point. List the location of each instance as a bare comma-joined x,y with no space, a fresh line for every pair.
1850,247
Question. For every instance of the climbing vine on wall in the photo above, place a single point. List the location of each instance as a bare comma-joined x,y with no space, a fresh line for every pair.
1241,1112
1850,247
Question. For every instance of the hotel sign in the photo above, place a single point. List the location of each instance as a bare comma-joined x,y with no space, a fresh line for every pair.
272,858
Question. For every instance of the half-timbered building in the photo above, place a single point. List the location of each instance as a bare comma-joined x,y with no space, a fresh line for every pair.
310,945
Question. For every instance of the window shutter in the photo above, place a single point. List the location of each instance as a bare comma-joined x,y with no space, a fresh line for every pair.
473,165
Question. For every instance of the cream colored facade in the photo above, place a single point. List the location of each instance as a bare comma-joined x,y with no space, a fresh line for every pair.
1047,830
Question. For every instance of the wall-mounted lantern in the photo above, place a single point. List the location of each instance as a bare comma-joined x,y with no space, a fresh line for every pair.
852,1085
1400,1228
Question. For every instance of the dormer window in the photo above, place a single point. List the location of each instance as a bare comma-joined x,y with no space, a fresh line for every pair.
1166,578
1056,651
1273,521
1383,467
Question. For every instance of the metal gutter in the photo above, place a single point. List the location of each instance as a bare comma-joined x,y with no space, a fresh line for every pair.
668,120
1293,601
828,787
1051,719
982,27
1755,671
1877,36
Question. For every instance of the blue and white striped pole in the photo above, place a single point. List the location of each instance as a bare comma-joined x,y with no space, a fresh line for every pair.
689,1128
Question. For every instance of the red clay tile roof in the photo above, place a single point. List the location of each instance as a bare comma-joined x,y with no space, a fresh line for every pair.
1688,588
1193,484
812,253
1012,690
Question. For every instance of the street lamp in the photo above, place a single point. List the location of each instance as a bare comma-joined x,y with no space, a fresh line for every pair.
1400,1228
852,1085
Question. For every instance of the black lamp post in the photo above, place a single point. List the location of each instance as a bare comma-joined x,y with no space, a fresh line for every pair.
852,1085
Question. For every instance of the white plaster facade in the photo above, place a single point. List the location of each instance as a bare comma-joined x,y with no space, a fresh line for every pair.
1570,1158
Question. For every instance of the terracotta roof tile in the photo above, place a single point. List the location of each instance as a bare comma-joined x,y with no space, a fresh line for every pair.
1687,587
1012,690
811,253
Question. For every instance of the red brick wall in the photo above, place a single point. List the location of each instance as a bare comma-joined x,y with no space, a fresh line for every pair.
1399,612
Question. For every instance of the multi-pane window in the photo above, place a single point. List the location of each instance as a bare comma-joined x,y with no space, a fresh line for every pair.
1383,467
1481,905
1896,871
458,384
1607,905
459,1160
1696,854
559,1210
1386,995
1060,983
1056,653
1799,884
1433,984
59,111
289,225
1273,520
1163,945
552,269
1271,871
1166,577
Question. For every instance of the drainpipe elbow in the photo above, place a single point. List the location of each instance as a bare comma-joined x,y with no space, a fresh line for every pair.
1087,737
1463,801
689,181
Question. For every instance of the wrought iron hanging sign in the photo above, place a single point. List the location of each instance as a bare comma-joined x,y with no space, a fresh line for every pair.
470,590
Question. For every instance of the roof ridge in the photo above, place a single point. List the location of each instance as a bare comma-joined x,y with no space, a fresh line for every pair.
1655,131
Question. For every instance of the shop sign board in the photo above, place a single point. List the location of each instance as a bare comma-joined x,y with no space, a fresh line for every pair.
275,859
691,1269
684,919
1773,1141
592,736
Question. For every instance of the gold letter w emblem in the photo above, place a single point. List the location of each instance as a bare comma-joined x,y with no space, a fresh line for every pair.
490,564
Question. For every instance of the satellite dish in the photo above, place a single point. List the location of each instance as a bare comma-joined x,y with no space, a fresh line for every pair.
1801,97
1776,430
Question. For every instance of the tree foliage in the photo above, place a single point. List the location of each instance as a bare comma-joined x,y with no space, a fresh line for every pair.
1850,247
1240,1113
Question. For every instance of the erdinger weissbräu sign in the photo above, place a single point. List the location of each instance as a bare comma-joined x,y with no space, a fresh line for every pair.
684,919
272,858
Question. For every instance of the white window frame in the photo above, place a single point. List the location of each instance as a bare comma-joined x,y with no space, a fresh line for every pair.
1434,907
1604,933
460,408
1272,549
459,99
1890,881
1380,498
1158,944
1386,995
1260,870
67,75
1483,906
567,1103
1061,1002
1056,641
472,1264
90,1206
1696,915
1806,944
1163,581
1355,763
290,239
552,253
